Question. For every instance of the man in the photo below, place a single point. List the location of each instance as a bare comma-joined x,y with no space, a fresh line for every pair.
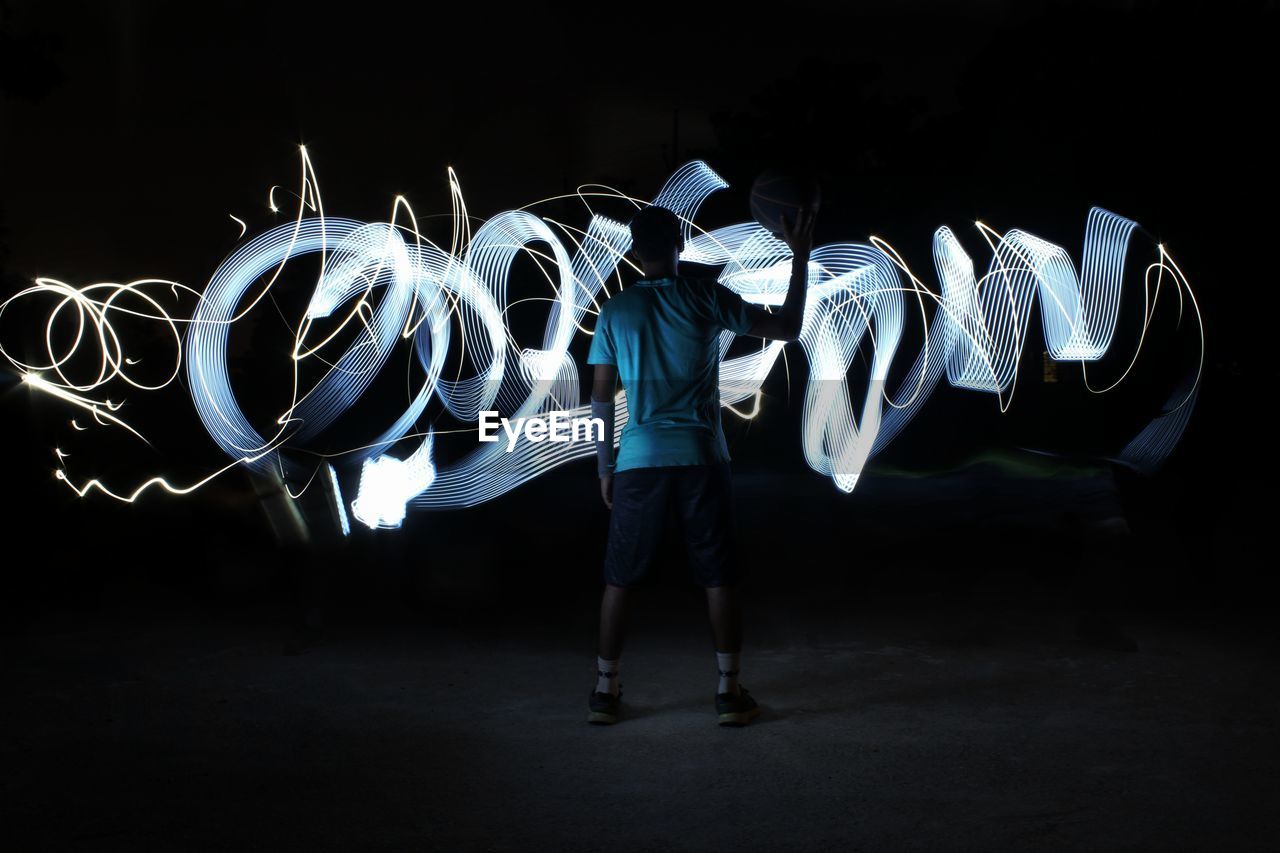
661,337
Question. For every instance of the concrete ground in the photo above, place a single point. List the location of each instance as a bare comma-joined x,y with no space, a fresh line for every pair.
977,661
886,727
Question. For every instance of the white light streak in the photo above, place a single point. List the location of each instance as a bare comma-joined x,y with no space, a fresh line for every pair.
396,286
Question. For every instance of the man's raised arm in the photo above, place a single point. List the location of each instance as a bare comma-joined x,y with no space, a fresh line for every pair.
785,323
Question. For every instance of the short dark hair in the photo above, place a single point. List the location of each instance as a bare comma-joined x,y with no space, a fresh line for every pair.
655,231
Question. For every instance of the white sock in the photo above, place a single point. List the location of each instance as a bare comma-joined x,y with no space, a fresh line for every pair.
728,663
607,676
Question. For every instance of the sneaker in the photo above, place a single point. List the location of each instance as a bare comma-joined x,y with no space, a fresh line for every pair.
736,709
603,708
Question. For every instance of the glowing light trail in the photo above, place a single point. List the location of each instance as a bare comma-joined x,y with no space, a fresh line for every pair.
396,286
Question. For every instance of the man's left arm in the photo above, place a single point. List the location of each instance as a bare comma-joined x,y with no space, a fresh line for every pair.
604,387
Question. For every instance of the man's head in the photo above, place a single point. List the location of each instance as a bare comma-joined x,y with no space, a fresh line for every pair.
656,237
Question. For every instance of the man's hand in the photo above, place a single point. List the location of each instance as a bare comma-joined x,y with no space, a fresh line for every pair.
798,235
786,323
606,490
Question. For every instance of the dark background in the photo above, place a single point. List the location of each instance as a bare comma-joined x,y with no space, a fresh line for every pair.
129,131
132,130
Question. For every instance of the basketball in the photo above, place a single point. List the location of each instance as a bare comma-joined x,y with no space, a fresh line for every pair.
776,194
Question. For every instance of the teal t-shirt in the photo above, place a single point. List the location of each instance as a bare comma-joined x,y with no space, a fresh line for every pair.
663,335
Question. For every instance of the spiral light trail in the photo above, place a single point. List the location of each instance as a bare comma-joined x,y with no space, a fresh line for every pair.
394,288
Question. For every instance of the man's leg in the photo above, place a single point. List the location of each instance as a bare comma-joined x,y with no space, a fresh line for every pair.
615,606
706,502
724,606
635,524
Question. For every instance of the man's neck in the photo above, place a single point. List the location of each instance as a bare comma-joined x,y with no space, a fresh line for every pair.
660,270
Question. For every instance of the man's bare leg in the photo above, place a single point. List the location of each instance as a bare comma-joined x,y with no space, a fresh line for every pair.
615,606
724,606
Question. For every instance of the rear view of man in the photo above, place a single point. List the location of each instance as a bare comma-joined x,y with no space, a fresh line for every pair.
661,338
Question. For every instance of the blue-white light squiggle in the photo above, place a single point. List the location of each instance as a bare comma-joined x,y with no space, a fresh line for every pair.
395,288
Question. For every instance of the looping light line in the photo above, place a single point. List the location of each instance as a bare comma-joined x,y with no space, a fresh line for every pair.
394,285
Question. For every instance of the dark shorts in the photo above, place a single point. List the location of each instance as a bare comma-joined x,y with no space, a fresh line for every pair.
702,499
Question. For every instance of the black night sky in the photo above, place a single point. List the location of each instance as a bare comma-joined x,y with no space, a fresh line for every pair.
221,689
